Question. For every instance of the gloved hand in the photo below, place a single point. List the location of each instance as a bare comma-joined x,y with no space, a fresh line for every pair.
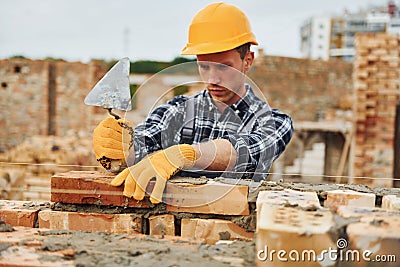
112,140
162,165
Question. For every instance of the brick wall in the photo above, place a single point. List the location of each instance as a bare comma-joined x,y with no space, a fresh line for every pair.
73,83
40,97
289,217
306,89
23,100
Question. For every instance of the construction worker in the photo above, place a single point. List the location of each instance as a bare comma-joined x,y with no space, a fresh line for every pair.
233,130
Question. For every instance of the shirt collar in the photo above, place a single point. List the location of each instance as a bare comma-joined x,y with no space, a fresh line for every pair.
245,102
242,104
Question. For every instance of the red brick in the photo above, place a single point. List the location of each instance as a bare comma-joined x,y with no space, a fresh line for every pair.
213,230
377,230
162,224
290,197
92,222
90,187
287,197
391,202
366,212
210,198
19,213
336,198
380,236
292,229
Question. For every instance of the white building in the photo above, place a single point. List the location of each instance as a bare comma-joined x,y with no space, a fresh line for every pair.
333,36
315,36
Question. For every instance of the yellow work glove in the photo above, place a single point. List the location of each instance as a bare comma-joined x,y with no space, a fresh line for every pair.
112,140
162,165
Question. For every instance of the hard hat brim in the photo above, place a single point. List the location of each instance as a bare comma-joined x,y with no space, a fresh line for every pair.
210,48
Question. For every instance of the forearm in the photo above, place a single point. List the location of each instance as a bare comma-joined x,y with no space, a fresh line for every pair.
216,155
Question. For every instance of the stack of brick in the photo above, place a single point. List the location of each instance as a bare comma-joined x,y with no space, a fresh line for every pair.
376,91
285,224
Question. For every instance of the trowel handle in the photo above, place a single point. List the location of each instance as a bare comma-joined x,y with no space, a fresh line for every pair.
113,114
117,165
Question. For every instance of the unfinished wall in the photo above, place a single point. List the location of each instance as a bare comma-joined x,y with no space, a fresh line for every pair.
306,89
376,93
23,100
73,83
40,97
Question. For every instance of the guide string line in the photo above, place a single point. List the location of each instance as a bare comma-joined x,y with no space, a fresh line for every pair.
47,164
210,171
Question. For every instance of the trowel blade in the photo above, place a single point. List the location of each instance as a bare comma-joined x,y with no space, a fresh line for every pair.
113,90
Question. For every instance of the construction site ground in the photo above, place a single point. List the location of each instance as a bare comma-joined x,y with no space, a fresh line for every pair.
42,247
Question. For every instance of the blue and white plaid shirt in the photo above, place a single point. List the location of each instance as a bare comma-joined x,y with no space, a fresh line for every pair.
258,141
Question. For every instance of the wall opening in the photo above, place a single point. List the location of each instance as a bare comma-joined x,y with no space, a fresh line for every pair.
17,69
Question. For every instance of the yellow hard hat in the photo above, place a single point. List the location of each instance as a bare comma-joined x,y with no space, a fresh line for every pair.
216,28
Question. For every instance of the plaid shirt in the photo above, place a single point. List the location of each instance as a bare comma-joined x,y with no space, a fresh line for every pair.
258,141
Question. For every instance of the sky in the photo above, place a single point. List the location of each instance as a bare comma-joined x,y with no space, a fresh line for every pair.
80,30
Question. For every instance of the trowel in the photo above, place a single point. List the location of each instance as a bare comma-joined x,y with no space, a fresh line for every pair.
113,92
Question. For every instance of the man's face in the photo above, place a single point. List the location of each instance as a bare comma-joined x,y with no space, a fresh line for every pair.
223,74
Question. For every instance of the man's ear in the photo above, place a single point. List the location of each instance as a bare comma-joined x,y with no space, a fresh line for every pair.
248,60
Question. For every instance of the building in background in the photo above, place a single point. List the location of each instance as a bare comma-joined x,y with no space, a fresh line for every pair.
315,37
333,36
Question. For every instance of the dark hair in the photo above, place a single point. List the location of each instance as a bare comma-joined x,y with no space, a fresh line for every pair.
243,49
